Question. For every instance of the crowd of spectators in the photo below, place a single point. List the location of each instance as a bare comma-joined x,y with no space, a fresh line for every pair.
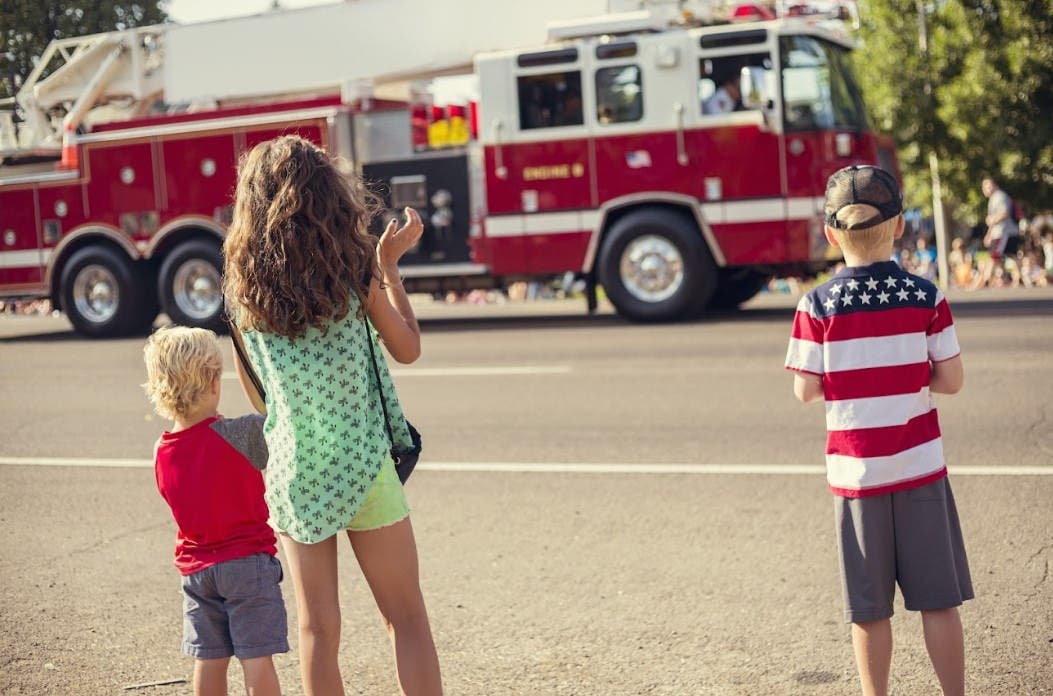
26,307
971,267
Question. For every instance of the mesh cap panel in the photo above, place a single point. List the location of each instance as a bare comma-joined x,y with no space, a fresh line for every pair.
864,185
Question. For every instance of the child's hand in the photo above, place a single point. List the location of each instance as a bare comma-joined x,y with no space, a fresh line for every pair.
396,242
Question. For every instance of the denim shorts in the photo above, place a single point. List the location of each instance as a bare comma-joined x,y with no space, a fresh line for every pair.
385,502
235,608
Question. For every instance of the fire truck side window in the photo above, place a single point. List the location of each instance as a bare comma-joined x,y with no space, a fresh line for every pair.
719,79
550,100
619,94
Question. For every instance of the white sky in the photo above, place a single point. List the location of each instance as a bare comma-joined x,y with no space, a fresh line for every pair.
187,11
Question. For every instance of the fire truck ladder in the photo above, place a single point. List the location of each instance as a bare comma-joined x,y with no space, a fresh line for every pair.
72,77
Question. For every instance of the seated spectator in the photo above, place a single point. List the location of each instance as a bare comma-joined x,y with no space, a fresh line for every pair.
924,260
961,262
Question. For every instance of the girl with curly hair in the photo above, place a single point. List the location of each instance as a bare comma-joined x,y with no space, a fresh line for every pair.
306,286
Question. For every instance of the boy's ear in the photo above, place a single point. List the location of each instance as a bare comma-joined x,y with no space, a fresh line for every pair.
216,384
829,232
900,226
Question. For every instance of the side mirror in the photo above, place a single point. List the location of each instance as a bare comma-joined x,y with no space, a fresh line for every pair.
754,87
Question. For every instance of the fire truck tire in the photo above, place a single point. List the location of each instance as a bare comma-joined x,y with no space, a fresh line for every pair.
654,266
191,285
101,294
735,286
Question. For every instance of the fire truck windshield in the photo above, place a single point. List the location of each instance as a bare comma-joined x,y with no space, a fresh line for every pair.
819,91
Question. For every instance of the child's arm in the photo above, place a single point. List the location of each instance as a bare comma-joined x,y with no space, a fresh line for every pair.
947,376
807,387
390,311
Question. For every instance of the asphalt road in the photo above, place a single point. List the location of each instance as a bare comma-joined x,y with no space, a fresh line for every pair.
544,573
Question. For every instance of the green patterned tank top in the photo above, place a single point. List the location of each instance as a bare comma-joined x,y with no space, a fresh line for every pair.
325,425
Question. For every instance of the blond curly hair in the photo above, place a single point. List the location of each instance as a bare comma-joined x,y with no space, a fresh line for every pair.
298,246
181,365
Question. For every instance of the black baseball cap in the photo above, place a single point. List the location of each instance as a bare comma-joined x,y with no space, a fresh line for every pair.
866,185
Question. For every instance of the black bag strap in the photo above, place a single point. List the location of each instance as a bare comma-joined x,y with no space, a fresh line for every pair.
380,387
235,337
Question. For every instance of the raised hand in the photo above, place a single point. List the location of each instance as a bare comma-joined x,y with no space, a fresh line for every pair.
397,241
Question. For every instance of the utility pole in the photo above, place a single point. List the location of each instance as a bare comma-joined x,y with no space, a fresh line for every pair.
934,163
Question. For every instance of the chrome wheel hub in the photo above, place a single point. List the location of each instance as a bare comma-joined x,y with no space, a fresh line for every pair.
96,294
197,289
652,268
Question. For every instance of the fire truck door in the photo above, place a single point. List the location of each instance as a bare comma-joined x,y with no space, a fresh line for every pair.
20,256
537,159
736,148
640,118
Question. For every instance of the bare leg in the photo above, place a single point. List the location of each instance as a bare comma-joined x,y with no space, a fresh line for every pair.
210,677
314,574
260,677
872,642
946,646
388,558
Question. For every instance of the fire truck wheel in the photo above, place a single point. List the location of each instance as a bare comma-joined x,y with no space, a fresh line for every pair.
100,294
735,286
191,285
654,266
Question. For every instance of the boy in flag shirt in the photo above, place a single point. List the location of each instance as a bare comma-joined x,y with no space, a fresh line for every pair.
874,343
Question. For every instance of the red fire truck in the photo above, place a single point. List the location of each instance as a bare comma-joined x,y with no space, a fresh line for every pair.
676,163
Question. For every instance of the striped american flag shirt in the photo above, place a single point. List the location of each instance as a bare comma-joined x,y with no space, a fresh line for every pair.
870,334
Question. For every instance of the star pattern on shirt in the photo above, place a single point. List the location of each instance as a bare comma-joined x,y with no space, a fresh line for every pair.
892,290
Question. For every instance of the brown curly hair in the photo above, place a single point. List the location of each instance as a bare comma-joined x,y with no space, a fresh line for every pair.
298,244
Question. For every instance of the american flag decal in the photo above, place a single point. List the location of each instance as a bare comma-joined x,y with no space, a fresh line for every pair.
638,159
870,334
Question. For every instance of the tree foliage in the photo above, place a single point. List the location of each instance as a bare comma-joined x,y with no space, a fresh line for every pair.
989,111
27,26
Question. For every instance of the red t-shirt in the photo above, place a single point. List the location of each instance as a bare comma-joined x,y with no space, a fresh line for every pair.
207,476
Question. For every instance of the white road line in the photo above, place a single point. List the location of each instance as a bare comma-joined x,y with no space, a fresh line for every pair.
468,371
574,467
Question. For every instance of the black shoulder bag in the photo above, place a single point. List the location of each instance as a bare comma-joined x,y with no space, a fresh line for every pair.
405,460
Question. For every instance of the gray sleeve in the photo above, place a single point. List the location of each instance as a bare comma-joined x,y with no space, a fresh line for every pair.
245,434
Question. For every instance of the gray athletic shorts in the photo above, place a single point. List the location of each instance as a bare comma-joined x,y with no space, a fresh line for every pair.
909,537
235,608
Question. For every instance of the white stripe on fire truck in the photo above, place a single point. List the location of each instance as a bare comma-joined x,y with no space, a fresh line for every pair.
714,212
534,223
798,208
28,258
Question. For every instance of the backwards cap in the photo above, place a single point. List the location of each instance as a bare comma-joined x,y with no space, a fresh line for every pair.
866,185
